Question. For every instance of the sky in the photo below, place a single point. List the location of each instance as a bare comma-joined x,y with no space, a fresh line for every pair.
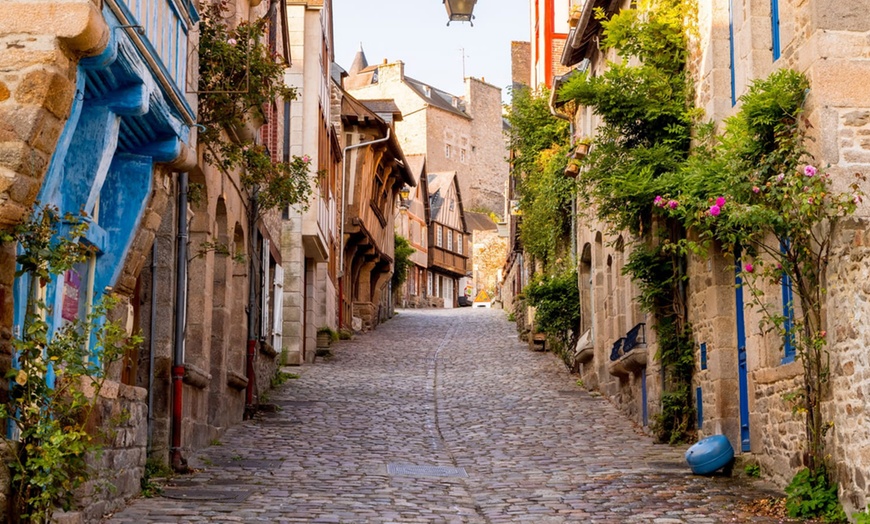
416,32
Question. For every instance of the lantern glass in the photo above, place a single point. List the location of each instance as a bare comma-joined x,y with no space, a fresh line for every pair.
460,10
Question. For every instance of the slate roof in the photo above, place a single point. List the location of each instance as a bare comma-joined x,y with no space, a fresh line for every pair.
438,98
384,108
479,222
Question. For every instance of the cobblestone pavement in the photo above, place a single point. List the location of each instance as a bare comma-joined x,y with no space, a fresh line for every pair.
453,393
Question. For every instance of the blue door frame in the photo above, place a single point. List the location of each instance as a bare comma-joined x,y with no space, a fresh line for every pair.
742,370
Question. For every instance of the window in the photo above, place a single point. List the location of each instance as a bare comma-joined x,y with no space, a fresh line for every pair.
439,233
447,150
459,243
450,240
462,155
429,284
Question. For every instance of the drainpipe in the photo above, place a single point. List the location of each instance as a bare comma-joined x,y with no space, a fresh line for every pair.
343,211
252,305
177,461
151,344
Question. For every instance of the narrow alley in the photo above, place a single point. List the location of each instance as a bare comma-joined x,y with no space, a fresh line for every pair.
441,416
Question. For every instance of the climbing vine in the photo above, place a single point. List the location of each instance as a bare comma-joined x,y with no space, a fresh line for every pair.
644,103
539,142
755,191
238,77
58,373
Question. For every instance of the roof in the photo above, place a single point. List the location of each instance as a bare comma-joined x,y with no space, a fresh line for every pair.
582,37
479,222
385,108
355,112
359,61
438,98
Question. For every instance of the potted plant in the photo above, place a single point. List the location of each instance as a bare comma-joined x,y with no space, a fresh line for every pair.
572,169
325,337
574,16
581,147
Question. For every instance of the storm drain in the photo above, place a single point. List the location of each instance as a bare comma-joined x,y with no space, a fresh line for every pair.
223,495
408,470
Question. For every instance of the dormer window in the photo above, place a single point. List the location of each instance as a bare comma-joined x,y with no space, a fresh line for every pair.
427,91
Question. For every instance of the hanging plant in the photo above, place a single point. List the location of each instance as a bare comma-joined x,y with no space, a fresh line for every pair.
238,76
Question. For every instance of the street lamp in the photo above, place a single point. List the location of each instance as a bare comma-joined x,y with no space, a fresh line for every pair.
404,193
460,10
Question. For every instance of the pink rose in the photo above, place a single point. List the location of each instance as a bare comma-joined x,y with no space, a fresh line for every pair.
714,211
779,177
810,171
232,41
756,190
673,204
659,201
720,201
749,268
306,158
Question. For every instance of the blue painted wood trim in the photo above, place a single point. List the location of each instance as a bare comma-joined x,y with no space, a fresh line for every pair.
699,406
787,313
774,27
177,90
703,355
731,51
742,364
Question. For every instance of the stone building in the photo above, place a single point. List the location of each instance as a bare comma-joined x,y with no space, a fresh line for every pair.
742,376
462,134
310,239
95,117
98,115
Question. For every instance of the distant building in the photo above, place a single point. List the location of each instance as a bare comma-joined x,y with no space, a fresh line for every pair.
456,133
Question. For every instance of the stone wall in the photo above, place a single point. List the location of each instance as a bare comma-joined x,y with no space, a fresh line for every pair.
849,337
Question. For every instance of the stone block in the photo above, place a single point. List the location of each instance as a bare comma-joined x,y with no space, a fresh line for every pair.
48,89
4,92
23,159
841,83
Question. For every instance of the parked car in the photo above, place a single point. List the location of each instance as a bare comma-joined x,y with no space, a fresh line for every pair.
464,301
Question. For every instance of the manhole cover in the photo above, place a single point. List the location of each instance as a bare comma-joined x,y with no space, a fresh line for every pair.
408,470
234,495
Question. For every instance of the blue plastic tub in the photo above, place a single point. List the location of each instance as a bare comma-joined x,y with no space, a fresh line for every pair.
710,454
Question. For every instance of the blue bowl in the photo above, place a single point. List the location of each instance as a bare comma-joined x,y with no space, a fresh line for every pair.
710,454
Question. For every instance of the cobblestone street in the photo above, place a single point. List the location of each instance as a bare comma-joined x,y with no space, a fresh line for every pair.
494,432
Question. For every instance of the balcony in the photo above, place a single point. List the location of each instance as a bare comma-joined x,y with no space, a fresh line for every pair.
448,261
629,353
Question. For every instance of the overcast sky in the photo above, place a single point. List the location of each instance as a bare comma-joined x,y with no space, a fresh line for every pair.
416,32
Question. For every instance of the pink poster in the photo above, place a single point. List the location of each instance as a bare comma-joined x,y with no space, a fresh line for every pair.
71,284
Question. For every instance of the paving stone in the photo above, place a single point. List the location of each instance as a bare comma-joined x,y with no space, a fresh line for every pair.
444,389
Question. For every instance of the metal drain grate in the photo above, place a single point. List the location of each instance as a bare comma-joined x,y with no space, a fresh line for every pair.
408,470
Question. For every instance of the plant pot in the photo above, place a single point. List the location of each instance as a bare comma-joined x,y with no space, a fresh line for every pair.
581,150
572,170
323,340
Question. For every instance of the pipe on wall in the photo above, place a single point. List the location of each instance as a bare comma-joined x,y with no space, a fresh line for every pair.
177,461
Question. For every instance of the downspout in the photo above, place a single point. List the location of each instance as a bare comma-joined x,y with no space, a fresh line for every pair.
151,344
252,305
343,211
177,461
